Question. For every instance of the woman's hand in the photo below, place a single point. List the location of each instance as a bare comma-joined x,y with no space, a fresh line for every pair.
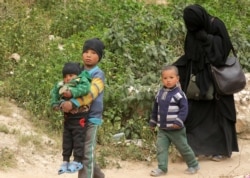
201,35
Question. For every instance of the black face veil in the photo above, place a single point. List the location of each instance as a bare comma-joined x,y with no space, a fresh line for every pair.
196,18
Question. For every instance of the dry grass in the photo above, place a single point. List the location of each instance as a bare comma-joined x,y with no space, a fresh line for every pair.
21,138
7,159
4,129
5,108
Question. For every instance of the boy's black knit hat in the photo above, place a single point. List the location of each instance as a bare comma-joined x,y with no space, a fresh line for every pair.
95,44
71,68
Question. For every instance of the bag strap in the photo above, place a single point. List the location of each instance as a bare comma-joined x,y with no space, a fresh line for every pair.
233,50
191,67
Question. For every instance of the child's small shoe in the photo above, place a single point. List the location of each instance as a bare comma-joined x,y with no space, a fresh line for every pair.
74,167
192,170
157,172
63,168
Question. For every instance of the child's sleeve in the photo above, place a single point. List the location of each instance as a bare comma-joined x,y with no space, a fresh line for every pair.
183,104
54,94
96,88
153,120
82,86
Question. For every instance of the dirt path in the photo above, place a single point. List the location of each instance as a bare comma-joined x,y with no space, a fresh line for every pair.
236,167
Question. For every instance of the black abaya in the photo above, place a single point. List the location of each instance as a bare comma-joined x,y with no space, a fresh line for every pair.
210,125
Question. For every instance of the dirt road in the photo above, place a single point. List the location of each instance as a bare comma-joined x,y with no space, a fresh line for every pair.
236,167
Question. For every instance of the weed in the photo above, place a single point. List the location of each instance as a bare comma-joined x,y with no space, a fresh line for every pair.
33,140
7,159
4,129
6,109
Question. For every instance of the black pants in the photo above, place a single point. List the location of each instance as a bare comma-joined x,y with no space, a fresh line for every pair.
73,138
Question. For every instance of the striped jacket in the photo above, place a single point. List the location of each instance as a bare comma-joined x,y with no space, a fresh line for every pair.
170,107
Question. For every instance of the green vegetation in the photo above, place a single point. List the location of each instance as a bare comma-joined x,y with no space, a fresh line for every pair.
4,129
34,140
7,158
139,38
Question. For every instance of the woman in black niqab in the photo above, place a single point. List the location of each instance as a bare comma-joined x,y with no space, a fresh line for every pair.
211,123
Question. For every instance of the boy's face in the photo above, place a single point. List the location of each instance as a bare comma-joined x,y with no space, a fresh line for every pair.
68,77
169,78
90,58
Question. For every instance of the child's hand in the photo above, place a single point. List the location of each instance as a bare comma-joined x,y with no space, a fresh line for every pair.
56,108
67,94
152,128
175,126
63,89
66,106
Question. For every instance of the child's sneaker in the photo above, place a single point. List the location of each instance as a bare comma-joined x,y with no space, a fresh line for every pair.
157,172
192,170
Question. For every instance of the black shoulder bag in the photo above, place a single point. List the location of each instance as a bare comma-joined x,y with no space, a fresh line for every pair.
229,78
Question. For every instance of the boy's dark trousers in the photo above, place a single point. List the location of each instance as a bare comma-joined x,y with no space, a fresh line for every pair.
73,138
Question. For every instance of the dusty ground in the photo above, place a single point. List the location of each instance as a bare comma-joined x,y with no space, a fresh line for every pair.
236,167
34,163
